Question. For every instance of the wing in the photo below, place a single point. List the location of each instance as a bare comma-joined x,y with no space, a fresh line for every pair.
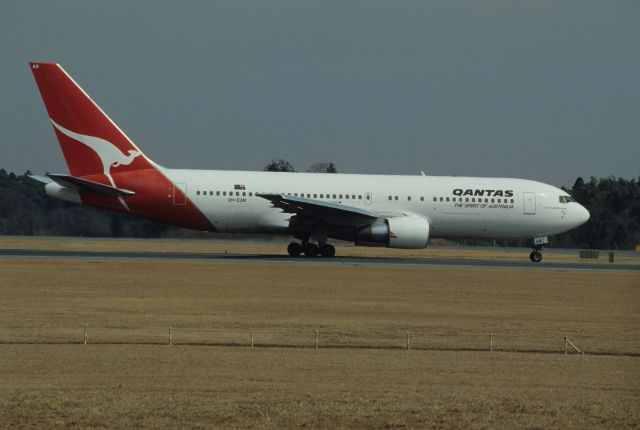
335,214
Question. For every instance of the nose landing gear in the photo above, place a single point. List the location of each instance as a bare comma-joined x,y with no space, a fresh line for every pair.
536,256
538,245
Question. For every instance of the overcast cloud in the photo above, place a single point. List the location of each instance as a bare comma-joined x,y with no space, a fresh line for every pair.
546,90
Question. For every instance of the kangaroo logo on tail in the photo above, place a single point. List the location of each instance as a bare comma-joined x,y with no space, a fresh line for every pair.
109,154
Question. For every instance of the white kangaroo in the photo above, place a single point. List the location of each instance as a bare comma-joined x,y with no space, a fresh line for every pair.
109,154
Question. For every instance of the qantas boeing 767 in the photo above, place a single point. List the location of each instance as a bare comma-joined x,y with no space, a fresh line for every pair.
108,171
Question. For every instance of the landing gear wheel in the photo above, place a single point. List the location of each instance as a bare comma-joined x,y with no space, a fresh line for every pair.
327,250
294,249
536,256
310,250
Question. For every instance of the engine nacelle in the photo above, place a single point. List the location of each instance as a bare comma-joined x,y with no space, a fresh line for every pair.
405,232
408,232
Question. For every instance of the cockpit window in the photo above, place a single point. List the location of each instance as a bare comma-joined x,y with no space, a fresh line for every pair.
566,199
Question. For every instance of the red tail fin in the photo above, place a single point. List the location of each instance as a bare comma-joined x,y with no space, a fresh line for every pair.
91,142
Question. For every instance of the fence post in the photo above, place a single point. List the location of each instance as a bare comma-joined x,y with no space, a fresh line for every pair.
317,334
491,341
566,346
251,338
85,333
170,336
408,344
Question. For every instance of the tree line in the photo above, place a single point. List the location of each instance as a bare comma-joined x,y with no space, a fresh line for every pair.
25,209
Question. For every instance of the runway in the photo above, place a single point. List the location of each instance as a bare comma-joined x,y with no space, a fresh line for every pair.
525,264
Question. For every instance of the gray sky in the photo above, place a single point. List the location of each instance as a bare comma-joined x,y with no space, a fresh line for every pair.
546,90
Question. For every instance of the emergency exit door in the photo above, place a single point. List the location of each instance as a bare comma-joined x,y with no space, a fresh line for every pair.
180,194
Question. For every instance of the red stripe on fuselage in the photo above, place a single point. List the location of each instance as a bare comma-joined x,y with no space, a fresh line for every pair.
154,200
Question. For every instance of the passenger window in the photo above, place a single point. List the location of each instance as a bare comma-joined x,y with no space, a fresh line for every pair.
359,197
435,199
511,200
390,198
346,196
396,197
334,196
447,198
321,196
441,199
251,194
353,196
409,198
466,199
315,196
198,193
368,197
422,199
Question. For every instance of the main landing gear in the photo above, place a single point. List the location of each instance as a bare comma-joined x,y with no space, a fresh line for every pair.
310,249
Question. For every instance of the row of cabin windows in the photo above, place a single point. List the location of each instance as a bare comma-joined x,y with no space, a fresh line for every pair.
471,199
224,193
408,198
333,196
308,195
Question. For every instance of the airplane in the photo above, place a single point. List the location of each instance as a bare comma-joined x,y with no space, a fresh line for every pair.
107,170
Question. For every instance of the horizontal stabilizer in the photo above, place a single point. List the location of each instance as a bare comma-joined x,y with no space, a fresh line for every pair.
42,179
85,185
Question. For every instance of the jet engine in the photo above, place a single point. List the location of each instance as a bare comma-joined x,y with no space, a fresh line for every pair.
406,232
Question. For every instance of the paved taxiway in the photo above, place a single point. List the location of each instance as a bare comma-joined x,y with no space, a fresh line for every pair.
365,261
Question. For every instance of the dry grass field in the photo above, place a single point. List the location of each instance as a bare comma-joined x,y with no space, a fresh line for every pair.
113,382
277,246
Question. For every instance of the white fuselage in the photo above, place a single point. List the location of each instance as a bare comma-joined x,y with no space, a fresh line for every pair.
456,207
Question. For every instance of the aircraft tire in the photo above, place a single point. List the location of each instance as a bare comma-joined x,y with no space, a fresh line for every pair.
294,249
327,250
536,256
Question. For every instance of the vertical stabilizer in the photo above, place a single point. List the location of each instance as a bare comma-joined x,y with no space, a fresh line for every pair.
91,142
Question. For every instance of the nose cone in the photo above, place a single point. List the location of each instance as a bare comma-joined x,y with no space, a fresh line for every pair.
582,215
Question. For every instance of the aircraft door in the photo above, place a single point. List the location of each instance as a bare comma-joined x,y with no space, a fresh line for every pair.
179,198
529,203
367,199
